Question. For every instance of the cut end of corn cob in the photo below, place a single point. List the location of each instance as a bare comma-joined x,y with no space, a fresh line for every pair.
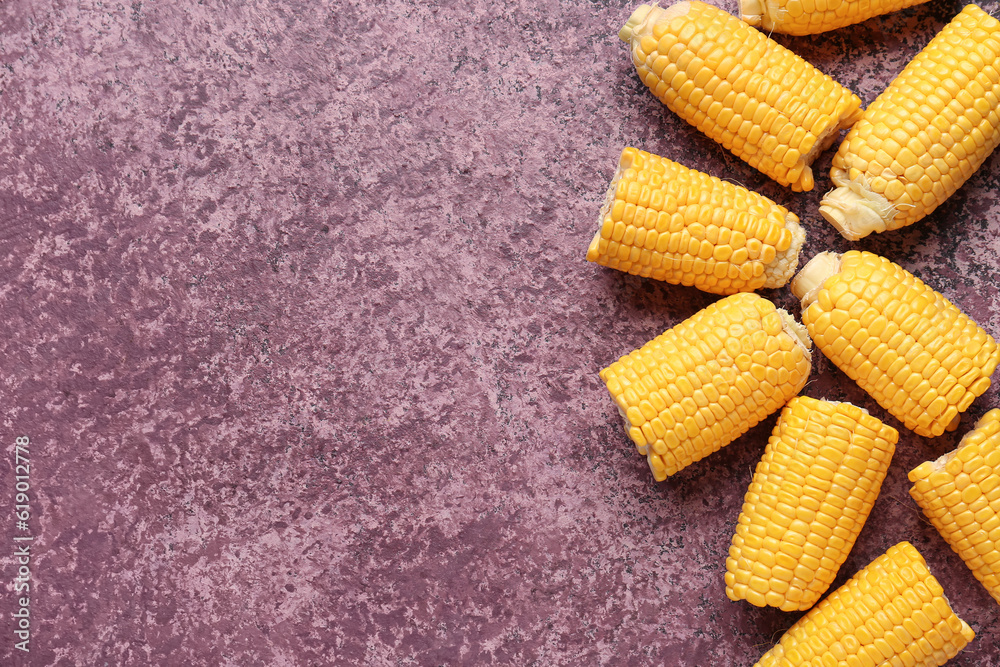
637,18
702,384
806,285
892,612
856,210
960,494
767,105
810,496
752,12
763,14
644,13
795,331
910,348
925,135
787,261
665,221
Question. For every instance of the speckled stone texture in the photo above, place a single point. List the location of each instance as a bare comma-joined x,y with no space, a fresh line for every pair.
296,315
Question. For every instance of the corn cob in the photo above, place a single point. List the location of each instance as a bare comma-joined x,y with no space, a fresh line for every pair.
808,17
668,222
700,385
893,612
810,496
960,494
924,136
917,354
768,106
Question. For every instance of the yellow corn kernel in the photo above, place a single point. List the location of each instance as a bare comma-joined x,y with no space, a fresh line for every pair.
707,212
823,465
767,105
806,17
914,351
700,385
924,136
892,612
973,532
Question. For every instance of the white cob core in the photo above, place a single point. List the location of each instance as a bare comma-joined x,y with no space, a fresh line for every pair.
798,332
856,211
807,284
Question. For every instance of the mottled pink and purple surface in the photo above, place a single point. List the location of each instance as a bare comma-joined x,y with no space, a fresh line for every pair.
296,315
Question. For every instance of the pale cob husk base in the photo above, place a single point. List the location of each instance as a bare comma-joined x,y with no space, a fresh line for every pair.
892,612
910,348
735,277
855,209
798,332
959,492
807,284
763,14
810,496
825,113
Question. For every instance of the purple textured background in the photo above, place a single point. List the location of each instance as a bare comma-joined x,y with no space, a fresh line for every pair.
296,315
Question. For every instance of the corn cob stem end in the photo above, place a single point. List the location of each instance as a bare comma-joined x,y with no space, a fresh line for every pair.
752,12
798,332
855,212
762,14
593,251
781,270
806,285
635,27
